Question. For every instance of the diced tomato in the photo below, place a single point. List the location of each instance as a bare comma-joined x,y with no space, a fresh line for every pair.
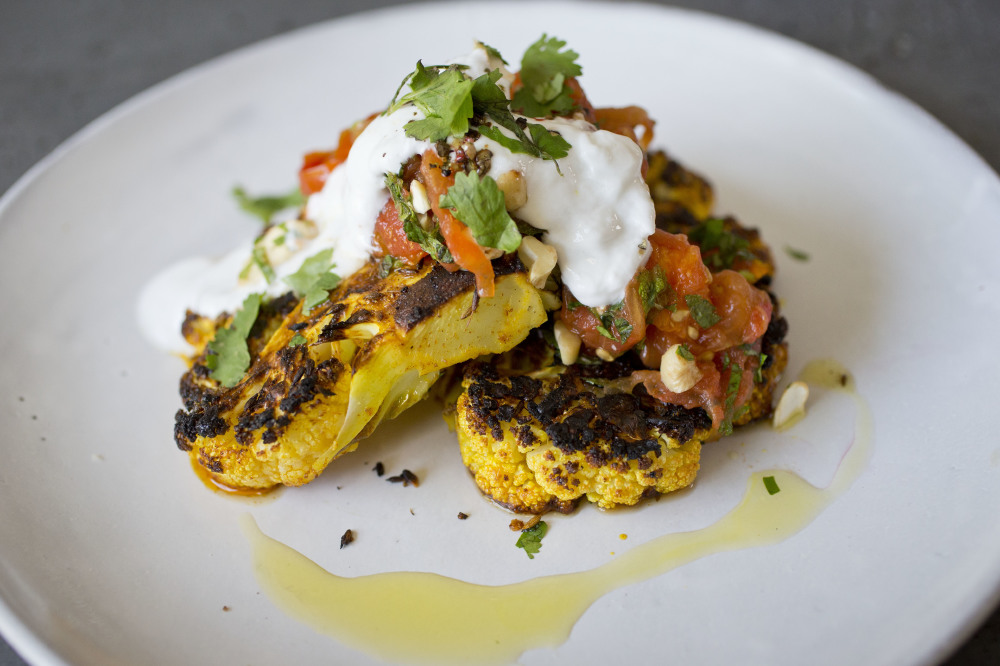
745,312
391,237
317,166
582,321
467,252
580,99
624,120
712,392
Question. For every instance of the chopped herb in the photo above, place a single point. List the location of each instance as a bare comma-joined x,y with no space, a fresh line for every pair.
771,485
798,255
613,325
430,240
259,256
479,204
544,70
228,355
702,310
732,391
346,539
531,539
387,265
314,279
652,283
685,353
266,206
758,375
297,339
720,248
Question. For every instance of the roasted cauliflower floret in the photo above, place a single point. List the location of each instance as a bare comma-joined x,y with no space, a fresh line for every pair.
317,383
536,444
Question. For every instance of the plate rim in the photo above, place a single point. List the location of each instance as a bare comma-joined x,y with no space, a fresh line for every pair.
13,628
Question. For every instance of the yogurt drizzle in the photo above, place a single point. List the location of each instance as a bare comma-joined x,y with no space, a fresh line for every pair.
595,210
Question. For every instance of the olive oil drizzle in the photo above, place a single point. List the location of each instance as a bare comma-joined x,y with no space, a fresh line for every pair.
415,617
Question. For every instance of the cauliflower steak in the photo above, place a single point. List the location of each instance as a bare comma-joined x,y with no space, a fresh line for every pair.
319,382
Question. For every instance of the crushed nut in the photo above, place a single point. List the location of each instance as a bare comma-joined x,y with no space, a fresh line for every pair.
678,373
568,343
791,406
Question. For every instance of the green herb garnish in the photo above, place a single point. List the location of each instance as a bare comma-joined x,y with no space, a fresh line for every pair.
685,353
228,355
702,310
732,390
531,539
652,283
479,204
489,100
297,339
259,256
492,52
544,70
314,279
798,255
387,265
720,248
771,485
266,206
430,240
444,97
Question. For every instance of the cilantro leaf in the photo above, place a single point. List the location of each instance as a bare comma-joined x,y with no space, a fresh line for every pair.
265,207
297,339
479,204
489,100
228,355
314,279
259,256
544,70
531,539
702,310
513,144
430,240
445,99
492,52
771,485
685,353
551,145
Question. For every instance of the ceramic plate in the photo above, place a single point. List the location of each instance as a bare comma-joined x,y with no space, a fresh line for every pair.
113,552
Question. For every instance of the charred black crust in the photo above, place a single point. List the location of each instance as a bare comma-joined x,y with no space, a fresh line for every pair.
270,408
419,301
576,416
334,330
775,334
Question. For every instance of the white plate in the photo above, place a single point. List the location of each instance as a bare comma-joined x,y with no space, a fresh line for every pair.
112,552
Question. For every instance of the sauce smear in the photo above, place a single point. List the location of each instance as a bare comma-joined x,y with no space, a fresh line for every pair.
415,617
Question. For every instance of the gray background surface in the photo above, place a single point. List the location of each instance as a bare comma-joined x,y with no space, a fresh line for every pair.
65,62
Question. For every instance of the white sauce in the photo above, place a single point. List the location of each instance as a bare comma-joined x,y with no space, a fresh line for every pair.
597,214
